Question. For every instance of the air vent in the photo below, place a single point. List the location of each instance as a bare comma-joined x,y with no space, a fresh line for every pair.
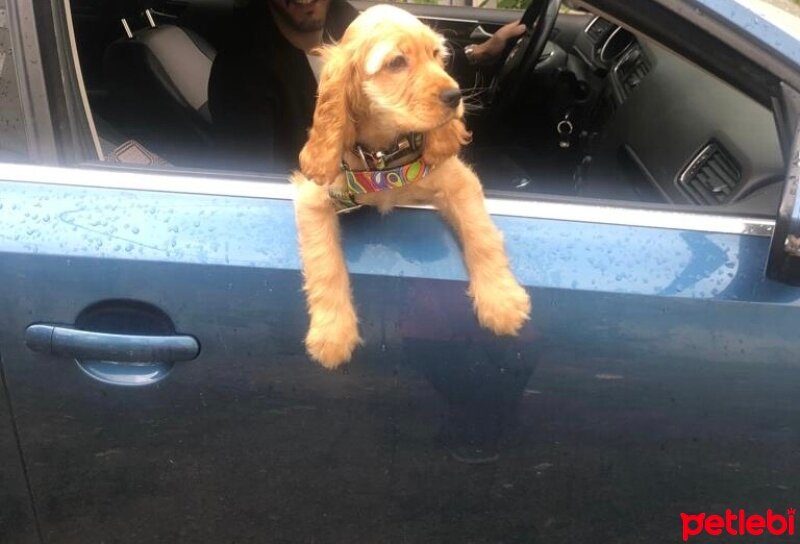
711,176
598,29
631,71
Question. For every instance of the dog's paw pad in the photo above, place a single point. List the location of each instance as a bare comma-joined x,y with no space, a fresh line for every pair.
332,347
503,308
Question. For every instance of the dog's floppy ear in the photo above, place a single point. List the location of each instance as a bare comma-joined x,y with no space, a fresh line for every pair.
333,129
444,142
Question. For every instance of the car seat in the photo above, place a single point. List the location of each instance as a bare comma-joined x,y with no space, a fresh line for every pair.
157,78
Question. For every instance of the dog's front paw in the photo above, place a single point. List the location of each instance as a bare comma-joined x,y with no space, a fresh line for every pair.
502,305
332,345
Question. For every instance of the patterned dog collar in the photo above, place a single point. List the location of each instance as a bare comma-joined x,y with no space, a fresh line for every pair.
360,182
408,144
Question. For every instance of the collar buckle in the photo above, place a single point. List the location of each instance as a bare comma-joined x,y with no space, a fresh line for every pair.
378,160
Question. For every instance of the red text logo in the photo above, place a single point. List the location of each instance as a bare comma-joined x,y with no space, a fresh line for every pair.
738,523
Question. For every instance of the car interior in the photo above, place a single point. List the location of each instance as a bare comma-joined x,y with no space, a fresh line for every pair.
586,106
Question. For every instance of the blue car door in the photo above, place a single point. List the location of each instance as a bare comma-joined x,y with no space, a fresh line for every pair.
657,375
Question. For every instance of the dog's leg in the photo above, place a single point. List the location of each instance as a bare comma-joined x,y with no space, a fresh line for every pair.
501,304
333,330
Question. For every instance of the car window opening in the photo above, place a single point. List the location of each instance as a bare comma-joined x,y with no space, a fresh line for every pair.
604,113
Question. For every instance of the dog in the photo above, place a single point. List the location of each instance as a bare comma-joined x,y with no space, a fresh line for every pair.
387,129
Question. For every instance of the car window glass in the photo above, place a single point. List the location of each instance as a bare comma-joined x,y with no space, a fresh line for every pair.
13,142
604,119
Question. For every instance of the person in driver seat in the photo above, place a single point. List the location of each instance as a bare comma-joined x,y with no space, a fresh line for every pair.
262,88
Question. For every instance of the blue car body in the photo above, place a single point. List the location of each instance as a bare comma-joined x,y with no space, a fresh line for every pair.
658,374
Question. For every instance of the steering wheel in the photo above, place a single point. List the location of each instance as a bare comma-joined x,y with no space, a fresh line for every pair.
522,56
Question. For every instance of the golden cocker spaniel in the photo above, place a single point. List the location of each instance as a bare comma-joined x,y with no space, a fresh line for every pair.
387,130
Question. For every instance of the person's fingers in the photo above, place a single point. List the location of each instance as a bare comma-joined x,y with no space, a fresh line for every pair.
492,47
517,30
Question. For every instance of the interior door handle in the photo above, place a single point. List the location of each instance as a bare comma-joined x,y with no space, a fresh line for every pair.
119,348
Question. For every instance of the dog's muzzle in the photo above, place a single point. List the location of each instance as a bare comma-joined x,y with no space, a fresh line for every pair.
451,98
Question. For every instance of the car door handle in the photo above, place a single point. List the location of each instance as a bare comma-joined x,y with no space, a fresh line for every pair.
119,348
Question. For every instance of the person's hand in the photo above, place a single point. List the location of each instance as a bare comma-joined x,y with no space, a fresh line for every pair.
490,50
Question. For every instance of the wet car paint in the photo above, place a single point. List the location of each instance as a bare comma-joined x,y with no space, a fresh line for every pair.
658,375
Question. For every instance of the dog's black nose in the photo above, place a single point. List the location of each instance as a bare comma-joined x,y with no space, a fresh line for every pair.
451,97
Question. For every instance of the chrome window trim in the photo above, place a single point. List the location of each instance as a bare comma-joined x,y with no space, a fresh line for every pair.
276,189
633,217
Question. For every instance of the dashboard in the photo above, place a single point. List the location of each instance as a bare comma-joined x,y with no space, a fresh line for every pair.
675,133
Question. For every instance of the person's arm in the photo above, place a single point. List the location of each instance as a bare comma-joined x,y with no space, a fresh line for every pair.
489,51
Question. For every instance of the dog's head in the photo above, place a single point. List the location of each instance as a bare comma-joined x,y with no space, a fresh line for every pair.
385,78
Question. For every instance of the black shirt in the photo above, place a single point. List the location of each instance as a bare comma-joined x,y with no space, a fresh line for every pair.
262,91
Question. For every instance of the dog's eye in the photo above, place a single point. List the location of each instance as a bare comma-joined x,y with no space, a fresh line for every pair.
397,63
